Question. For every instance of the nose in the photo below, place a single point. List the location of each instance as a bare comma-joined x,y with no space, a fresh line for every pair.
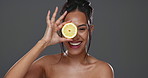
76,37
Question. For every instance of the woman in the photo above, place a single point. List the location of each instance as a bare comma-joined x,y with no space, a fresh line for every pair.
75,62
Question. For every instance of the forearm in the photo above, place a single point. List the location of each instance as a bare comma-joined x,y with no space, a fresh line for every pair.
21,67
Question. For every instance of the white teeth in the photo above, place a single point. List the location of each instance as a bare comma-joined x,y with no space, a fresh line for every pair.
75,43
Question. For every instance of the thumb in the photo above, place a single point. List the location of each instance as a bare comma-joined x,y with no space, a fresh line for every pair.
65,39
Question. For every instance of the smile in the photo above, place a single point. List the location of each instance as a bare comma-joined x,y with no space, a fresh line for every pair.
75,44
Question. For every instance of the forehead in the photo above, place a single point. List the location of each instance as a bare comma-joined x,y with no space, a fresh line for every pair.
76,17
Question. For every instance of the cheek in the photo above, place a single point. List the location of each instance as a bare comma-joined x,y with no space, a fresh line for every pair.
84,35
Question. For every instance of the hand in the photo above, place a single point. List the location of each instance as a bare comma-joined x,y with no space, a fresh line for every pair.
51,36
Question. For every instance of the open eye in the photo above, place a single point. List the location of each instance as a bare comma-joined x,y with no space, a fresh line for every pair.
82,28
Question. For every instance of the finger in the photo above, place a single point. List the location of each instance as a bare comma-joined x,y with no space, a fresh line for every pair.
65,40
61,18
61,25
48,17
54,15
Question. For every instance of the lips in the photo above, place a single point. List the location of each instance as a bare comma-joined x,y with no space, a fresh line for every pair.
75,44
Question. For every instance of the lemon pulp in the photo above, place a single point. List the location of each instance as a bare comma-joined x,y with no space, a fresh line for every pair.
69,30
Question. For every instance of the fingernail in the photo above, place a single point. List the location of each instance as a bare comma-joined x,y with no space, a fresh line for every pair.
48,11
56,7
71,40
65,11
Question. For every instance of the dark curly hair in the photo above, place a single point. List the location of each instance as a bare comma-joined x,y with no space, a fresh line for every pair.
82,6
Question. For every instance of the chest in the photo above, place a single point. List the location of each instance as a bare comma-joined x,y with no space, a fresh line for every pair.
72,72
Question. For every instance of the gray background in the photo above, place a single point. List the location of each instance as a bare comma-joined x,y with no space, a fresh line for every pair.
120,35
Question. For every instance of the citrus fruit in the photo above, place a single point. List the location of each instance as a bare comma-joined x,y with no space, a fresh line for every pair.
69,30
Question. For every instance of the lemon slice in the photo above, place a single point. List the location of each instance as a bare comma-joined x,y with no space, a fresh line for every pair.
69,30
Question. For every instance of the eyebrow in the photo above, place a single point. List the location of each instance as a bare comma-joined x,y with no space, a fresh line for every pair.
82,25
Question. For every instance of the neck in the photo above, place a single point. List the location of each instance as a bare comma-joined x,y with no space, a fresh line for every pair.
76,59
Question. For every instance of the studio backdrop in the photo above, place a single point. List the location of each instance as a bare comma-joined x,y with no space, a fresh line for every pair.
120,36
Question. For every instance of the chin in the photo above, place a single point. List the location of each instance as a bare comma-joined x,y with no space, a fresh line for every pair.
75,52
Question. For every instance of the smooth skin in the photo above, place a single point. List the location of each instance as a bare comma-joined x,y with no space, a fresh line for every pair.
72,65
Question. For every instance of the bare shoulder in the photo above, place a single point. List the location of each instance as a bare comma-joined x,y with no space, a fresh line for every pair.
37,69
45,62
104,69
48,59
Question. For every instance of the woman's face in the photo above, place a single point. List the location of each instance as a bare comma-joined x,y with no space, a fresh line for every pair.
78,45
